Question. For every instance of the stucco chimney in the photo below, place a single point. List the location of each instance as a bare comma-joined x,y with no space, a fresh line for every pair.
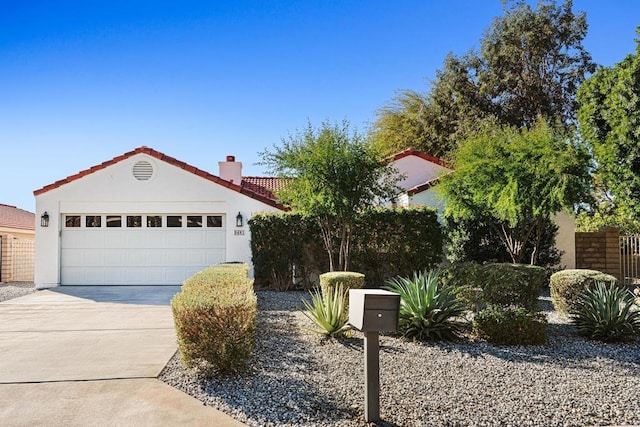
231,170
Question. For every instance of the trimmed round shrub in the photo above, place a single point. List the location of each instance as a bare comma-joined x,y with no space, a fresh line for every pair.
568,285
511,326
346,279
464,279
512,285
606,313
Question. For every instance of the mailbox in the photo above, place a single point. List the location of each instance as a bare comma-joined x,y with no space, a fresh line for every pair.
374,310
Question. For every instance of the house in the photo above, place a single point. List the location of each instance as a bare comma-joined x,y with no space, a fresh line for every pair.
422,171
144,218
17,244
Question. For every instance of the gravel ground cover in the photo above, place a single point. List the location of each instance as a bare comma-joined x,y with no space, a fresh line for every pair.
15,290
299,379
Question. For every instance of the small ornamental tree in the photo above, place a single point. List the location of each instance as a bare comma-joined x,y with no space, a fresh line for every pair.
334,175
516,180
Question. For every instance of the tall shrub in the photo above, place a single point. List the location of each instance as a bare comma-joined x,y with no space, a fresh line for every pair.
283,250
473,240
215,319
506,304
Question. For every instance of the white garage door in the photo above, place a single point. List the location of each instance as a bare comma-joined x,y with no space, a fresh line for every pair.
135,249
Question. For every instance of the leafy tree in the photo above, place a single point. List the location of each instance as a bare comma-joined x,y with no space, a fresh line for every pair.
609,119
334,175
529,65
514,180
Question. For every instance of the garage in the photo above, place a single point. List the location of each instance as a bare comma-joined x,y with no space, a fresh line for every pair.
144,218
137,249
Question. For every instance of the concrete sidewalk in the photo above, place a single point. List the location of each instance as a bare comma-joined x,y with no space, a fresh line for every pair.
67,360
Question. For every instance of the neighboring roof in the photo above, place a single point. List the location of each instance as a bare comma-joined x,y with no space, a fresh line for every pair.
265,185
422,187
414,152
12,217
253,192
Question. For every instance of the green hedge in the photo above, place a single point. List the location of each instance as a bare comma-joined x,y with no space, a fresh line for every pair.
501,284
386,243
566,287
215,317
396,242
286,251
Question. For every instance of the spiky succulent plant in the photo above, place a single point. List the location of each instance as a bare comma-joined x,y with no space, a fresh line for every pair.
328,312
427,309
607,313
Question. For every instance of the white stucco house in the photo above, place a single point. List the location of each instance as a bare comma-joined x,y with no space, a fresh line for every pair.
422,172
144,218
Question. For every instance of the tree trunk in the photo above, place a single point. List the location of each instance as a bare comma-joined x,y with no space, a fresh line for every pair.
536,244
514,239
327,238
345,247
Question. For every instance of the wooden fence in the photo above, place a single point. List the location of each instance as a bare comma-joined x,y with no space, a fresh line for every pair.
16,259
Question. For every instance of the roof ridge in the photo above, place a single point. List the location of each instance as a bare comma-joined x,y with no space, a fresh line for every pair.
167,159
413,152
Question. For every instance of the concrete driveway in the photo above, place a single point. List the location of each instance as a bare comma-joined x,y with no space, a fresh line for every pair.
91,356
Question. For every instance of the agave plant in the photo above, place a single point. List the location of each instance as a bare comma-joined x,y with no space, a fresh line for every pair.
327,312
427,309
606,313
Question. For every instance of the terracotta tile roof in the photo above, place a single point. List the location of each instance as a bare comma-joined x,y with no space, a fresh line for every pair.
265,185
414,152
253,193
12,217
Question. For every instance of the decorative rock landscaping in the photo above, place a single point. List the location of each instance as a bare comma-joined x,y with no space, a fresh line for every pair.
299,379
15,290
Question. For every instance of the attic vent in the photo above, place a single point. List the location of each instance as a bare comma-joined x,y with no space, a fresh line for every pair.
142,170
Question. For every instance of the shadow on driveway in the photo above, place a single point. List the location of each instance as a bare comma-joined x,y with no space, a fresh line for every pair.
141,295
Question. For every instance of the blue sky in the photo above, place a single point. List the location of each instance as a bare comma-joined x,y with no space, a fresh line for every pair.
84,81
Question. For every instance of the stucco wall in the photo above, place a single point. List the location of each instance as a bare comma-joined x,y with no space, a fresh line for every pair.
566,240
115,190
429,198
19,233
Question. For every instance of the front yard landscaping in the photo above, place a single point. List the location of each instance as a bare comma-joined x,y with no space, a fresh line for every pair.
298,378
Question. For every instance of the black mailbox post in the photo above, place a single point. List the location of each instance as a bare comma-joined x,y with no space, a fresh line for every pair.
373,311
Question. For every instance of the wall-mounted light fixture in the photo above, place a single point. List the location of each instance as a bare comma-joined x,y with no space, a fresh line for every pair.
239,220
44,220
